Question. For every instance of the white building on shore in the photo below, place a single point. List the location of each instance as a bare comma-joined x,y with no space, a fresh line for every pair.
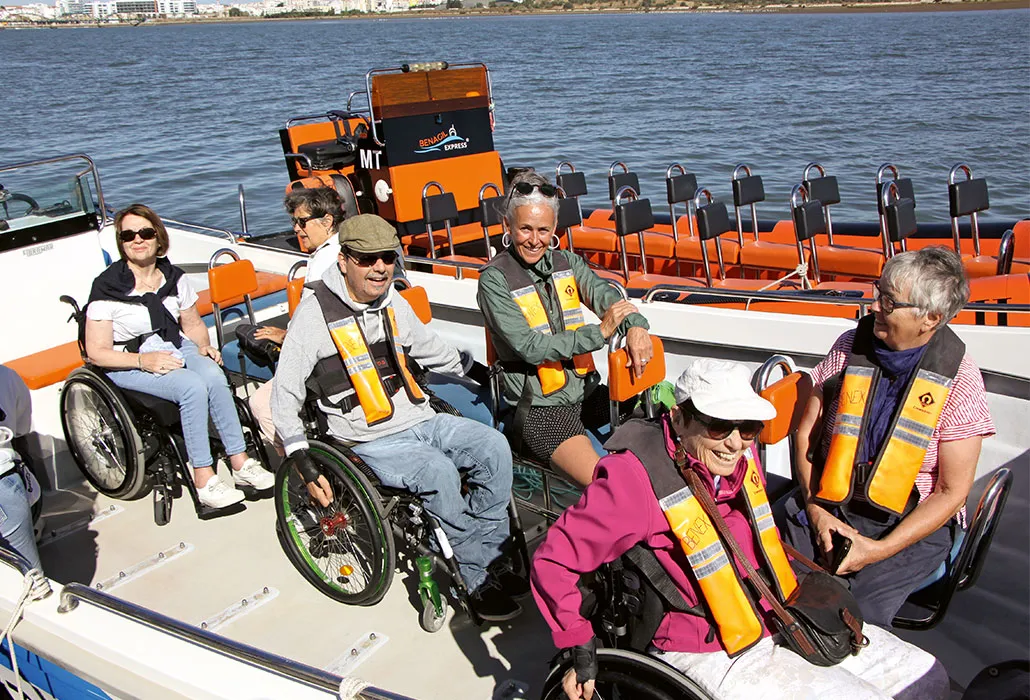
128,8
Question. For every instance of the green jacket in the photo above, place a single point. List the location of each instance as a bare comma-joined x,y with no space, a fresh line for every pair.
513,339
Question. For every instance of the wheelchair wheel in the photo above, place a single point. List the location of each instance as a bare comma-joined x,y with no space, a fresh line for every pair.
346,551
628,675
100,434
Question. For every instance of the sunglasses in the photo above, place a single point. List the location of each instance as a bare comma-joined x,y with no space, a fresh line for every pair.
128,235
720,429
889,303
526,189
302,221
369,259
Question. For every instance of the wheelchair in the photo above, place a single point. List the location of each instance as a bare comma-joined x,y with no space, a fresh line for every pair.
348,550
127,443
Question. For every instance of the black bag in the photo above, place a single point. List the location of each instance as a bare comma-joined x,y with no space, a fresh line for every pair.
827,614
263,353
820,621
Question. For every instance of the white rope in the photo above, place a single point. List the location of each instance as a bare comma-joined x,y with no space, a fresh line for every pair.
351,688
37,587
801,270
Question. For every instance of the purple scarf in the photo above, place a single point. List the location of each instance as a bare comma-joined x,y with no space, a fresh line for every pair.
896,368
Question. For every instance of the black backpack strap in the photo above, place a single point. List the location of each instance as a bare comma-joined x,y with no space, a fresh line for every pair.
645,560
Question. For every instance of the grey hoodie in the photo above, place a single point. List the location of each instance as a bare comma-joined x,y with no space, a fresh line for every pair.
308,341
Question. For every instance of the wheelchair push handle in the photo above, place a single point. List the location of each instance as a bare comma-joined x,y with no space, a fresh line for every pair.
76,311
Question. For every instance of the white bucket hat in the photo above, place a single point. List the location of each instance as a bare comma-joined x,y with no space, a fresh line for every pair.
722,389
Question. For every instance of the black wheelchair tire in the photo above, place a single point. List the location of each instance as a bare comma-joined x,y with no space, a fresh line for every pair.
134,483
628,675
362,499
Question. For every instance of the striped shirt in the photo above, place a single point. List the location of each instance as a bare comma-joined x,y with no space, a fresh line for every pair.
965,412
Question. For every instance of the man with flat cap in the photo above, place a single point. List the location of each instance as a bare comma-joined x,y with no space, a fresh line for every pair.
348,344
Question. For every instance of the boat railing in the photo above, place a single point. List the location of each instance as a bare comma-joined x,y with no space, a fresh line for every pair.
863,303
75,593
466,265
201,228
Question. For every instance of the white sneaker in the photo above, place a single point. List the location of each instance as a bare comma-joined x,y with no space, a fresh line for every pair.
216,494
254,475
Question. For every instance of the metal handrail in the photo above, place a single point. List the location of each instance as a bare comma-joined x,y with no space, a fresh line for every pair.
888,246
60,159
291,274
861,302
229,235
761,379
219,253
74,593
243,209
437,262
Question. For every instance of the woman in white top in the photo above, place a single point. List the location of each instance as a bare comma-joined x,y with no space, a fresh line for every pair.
142,324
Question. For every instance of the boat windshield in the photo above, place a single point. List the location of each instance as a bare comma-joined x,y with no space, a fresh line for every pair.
42,194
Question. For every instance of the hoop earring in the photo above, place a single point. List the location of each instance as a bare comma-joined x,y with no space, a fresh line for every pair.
555,241
506,240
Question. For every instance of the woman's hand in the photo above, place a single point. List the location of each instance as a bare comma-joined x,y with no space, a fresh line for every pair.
212,352
159,362
864,551
823,525
276,335
574,690
639,348
614,316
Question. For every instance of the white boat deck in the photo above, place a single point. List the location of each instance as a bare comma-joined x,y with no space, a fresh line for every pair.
231,558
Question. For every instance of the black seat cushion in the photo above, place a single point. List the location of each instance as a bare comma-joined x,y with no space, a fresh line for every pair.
166,412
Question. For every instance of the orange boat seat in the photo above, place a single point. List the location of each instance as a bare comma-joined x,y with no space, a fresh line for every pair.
846,261
462,233
758,254
466,273
419,302
294,291
1010,289
646,282
46,367
267,283
789,396
968,198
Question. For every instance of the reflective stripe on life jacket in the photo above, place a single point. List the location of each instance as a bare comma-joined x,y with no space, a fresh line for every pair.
735,615
888,482
524,294
365,377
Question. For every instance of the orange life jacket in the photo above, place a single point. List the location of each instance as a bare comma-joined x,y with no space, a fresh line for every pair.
735,614
524,294
375,373
887,481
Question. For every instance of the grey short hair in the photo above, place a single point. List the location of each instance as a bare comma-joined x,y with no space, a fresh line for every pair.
934,277
517,200
319,201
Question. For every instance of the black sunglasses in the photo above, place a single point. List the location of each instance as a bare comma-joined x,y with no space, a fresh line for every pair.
128,235
720,429
369,259
302,221
889,303
526,189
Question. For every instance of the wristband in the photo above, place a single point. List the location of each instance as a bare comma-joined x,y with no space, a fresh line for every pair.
306,466
584,660
139,361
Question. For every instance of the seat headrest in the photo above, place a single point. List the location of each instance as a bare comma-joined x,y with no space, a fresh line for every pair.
790,396
623,384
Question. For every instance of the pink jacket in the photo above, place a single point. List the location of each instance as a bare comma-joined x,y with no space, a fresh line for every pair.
616,511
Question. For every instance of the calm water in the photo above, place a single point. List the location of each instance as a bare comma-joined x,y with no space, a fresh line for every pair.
176,116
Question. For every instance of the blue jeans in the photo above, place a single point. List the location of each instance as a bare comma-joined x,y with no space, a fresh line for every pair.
429,459
16,519
198,387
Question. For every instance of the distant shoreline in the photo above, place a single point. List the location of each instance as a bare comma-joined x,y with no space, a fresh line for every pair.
715,7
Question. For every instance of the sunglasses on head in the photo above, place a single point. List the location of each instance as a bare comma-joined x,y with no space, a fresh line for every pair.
526,189
302,221
369,259
720,429
128,235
